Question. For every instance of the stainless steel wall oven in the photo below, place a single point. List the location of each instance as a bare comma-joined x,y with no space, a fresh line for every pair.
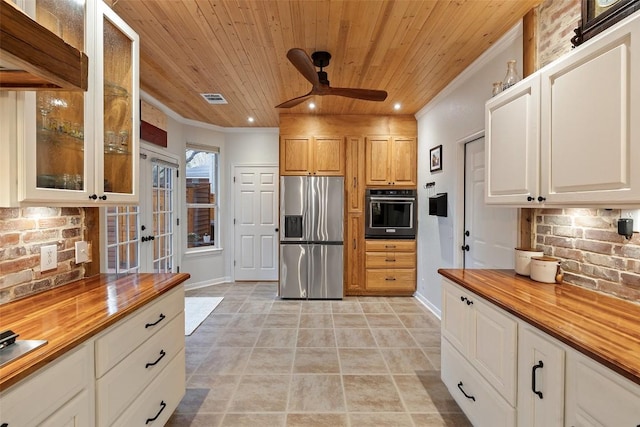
391,214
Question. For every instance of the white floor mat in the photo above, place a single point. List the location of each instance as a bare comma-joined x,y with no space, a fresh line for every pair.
196,309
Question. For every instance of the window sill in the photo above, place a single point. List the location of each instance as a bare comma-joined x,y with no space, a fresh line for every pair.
202,251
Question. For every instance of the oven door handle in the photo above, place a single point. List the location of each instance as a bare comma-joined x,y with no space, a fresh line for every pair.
392,199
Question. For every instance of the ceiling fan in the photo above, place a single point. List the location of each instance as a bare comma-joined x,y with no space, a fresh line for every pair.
306,67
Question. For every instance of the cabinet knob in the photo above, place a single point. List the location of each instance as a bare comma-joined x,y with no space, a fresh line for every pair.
103,197
530,199
465,247
93,196
541,199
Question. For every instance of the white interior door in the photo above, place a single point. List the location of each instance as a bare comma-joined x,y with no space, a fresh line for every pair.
490,232
256,223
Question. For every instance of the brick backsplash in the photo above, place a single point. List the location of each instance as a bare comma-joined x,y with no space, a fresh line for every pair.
593,254
22,232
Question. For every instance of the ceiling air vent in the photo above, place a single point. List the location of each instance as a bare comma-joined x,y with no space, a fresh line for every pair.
214,98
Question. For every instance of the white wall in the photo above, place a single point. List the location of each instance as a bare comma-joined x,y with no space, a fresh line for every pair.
238,146
451,118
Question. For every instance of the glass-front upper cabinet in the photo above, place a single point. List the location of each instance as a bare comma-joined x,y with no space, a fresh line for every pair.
57,121
119,110
82,148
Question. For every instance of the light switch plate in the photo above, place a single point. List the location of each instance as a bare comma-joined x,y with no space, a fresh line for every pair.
633,214
48,257
82,252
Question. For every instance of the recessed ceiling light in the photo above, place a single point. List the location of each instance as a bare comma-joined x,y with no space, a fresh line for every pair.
396,106
250,119
312,106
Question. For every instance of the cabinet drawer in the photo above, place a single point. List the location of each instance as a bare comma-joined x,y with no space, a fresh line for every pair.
390,245
128,378
400,279
40,395
391,260
482,405
126,336
159,399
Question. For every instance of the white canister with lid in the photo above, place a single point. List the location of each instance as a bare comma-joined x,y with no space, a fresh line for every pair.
523,260
544,269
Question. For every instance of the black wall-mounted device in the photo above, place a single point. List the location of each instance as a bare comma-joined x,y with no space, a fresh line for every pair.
625,227
438,204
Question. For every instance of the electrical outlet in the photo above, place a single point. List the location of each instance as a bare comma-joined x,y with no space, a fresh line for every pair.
82,252
633,214
48,257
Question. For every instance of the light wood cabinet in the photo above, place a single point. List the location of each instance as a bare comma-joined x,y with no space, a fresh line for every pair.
354,255
78,148
545,147
390,161
597,396
354,174
303,155
541,363
390,267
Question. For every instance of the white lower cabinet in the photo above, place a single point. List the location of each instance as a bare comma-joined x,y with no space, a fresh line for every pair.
479,401
540,379
47,397
597,396
131,374
488,354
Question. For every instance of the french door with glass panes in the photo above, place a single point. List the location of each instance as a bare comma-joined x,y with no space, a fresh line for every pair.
142,238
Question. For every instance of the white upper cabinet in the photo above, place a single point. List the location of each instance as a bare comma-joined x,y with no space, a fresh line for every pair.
565,136
512,144
76,148
590,142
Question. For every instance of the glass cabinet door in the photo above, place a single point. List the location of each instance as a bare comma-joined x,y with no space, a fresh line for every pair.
56,120
120,109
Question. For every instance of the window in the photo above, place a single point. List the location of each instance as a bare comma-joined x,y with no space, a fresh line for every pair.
122,239
202,196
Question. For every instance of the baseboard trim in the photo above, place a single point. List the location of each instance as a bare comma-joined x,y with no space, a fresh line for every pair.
432,308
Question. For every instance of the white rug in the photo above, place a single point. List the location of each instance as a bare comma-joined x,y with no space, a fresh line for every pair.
196,309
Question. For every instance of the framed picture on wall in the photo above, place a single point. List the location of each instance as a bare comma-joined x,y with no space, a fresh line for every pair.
435,159
598,15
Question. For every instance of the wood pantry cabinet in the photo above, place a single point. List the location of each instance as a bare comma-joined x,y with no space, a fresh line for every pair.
390,161
77,148
305,155
390,267
584,127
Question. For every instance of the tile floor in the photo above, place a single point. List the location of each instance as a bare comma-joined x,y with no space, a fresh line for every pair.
261,361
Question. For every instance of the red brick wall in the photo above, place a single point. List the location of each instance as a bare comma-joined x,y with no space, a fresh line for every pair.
556,22
22,232
594,254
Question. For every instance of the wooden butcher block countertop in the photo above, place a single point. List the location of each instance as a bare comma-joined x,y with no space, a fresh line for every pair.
603,327
69,315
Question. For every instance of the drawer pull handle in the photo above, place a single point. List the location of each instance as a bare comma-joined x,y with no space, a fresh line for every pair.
162,354
162,406
463,392
389,246
533,378
390,279
390,260
148,325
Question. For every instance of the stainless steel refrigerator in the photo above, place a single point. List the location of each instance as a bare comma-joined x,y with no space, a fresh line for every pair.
312,229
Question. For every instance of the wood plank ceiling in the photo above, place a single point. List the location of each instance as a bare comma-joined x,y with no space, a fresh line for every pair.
410,48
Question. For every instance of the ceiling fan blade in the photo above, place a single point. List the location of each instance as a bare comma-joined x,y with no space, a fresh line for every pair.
295,101
303,63
366,94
